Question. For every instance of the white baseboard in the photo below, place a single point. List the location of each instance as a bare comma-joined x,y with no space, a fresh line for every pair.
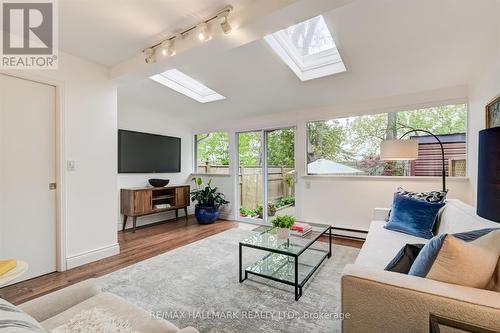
92,255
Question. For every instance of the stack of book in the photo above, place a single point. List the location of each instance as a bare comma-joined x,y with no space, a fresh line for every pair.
300,229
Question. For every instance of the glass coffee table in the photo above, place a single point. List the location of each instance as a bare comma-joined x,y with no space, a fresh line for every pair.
290,261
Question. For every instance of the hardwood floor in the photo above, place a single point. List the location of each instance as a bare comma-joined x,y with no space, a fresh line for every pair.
147,242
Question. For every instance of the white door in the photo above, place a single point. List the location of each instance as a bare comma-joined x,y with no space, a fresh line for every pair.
27,166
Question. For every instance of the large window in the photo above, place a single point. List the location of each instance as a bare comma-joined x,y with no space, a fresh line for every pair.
351,146
212,152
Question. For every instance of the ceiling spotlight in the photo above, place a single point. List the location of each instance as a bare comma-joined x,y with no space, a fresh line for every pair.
226,27
203,34
167,48
149,55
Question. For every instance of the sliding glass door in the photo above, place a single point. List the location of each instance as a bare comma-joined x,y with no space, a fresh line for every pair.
266,177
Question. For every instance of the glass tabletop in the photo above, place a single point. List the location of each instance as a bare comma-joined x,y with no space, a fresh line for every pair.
268,240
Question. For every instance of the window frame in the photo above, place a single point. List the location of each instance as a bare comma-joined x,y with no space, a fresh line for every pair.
195,153
307,175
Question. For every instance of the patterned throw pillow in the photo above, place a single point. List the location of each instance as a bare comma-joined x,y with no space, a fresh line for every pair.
432,196
469,259
13,320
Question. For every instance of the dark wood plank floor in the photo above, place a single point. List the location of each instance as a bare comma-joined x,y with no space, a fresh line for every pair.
147,242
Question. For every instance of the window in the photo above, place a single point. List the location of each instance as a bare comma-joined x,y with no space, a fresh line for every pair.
212,152
308,49
351,146
186,85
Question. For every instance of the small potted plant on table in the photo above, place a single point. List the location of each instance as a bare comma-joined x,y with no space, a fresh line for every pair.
283,223
208,199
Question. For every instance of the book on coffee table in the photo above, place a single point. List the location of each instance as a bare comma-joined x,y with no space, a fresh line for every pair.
300,229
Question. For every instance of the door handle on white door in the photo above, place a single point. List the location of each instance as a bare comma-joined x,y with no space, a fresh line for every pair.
52,186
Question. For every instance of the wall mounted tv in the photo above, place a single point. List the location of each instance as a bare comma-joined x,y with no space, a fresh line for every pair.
148,153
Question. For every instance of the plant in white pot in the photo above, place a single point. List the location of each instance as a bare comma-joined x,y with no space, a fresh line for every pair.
283,223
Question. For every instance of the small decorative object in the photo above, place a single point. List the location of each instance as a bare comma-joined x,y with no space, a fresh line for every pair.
158,182
209,200
283,223
493,113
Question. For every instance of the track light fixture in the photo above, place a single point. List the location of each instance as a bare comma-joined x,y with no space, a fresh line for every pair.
202,30
203,33
167,47
149,55
224,24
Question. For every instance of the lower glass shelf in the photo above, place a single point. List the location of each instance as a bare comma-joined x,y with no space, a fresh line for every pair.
282,267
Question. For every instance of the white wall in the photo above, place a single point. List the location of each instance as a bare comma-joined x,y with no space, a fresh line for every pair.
142,119
89,121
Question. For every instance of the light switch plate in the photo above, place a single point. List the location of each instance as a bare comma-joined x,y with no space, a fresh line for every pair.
70,165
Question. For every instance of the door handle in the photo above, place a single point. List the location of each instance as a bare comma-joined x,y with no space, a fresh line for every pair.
52,186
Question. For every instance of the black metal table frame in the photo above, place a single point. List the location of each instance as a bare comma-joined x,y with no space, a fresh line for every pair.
298,286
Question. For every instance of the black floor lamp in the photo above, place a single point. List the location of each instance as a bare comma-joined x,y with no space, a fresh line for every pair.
488,174
407,150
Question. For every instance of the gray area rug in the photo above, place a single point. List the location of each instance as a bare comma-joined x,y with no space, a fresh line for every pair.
197,285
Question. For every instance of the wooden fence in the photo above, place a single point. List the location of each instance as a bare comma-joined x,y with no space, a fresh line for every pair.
281,182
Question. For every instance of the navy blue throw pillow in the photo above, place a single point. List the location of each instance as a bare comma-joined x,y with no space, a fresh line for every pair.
404,259
413,216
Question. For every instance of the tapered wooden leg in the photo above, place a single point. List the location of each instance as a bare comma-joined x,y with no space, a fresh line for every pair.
176,214
186,213
124,222
134,220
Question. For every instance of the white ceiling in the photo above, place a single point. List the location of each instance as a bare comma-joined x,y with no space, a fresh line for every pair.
390,47
111,31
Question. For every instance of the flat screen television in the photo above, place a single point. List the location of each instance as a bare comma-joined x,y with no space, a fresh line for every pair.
148,153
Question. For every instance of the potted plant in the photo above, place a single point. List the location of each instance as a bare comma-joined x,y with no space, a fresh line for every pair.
283,223
271,210
208,201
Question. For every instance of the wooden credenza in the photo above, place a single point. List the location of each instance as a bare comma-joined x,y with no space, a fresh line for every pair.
136,202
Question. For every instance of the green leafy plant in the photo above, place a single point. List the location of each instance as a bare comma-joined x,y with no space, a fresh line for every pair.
271,209
244,211
206,195
285,201
284,221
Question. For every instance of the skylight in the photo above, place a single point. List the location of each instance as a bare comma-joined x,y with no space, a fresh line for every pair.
308,49
186,85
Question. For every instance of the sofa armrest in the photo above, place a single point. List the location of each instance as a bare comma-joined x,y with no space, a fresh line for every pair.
381,214
382,301
47,306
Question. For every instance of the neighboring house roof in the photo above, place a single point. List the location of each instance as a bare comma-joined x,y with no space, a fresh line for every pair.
324,166
445,138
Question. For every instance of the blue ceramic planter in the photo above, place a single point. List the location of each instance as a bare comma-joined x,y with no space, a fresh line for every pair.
206,215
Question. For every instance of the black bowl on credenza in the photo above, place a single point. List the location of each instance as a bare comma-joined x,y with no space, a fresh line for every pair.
158,182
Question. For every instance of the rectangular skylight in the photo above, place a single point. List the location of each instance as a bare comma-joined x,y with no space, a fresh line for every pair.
186,85
308,49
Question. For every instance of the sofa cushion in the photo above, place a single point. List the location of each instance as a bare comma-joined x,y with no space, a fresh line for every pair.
404,259
468,259
460,217
413,216
13,320
382,245
138,319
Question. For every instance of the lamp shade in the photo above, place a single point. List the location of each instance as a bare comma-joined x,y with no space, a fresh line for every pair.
399,150
488,174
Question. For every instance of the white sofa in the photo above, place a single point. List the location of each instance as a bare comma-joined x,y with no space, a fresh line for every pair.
60,307
383,301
